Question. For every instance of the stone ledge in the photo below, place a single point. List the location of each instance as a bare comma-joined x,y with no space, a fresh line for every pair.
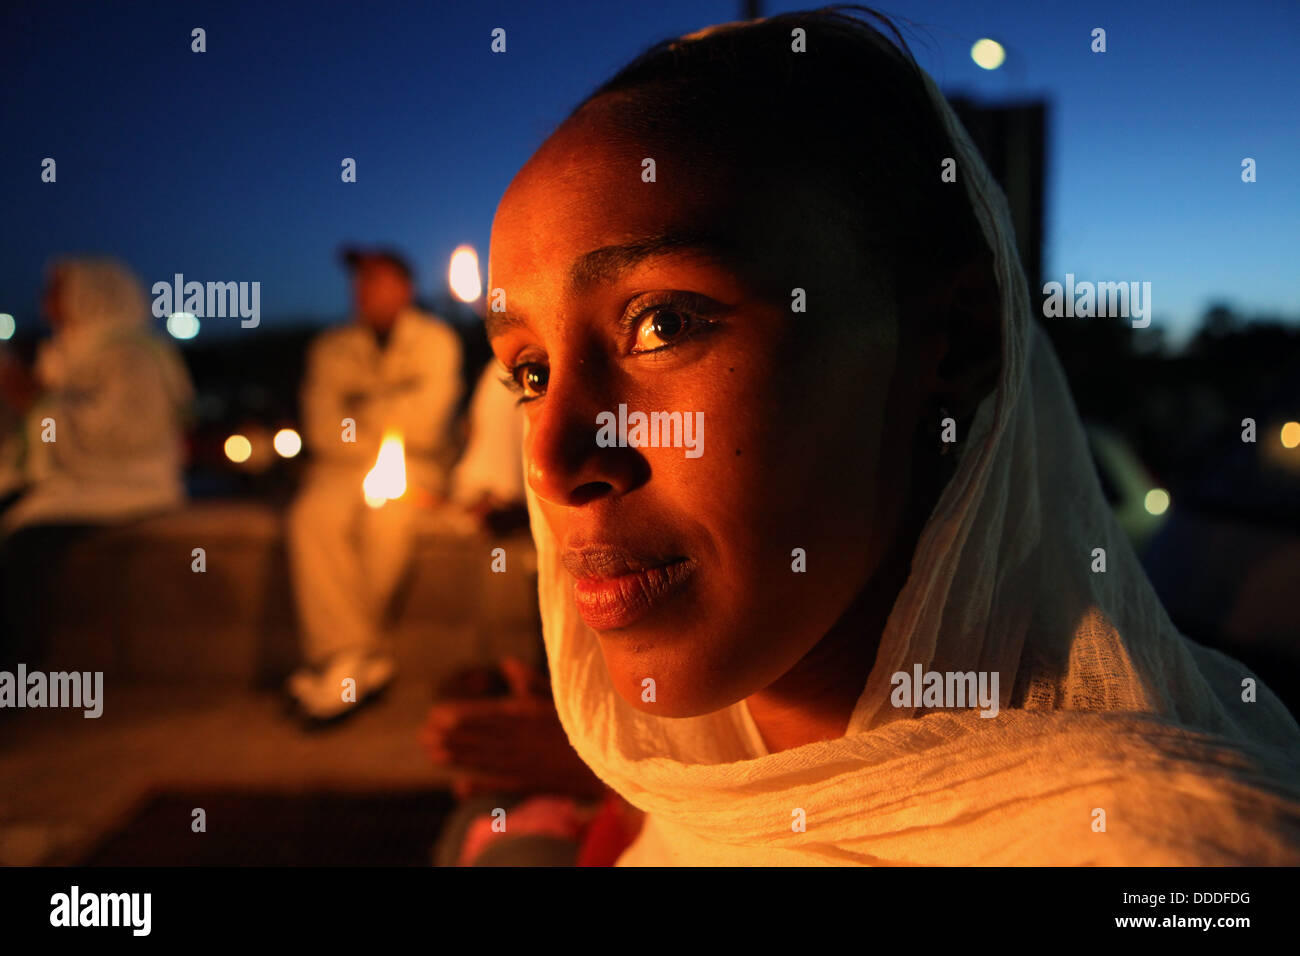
130,605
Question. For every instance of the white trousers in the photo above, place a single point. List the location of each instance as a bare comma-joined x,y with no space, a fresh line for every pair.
346,560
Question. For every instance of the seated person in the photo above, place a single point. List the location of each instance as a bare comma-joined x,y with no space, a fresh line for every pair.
104,443
507,751
394,369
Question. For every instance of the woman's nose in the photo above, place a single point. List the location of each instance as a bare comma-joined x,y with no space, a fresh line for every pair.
563,463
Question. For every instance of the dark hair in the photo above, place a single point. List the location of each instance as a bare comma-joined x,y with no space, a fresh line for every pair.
355,257
851,111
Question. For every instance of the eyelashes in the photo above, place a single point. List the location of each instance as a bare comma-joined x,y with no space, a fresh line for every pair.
671,318
511,381
691,314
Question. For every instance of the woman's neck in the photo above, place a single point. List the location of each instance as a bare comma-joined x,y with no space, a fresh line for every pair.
815,699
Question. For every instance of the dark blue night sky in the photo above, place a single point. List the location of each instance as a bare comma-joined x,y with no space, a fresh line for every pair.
225,165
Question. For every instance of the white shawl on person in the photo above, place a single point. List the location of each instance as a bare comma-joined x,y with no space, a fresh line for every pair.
1118,741
114,395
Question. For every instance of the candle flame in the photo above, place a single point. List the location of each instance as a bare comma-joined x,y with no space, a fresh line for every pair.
387,480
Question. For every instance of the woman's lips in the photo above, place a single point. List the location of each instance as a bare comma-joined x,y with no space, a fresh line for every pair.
616,588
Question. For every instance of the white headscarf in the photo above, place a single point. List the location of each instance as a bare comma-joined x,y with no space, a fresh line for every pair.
100,292
116,393
1118,741
101,301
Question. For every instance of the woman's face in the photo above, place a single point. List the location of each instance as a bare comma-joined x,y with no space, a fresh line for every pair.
711,570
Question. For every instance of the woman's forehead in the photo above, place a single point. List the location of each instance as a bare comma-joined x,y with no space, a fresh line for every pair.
565,208
588,193
596,171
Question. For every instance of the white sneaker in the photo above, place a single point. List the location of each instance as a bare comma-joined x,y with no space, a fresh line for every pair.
321,696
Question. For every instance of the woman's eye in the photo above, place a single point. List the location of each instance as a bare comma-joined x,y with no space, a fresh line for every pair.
527,380
531,379
660,328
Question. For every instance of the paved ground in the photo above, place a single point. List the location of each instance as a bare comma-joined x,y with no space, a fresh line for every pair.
67,781
183,653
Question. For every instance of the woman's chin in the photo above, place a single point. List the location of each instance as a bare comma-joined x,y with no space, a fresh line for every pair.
666,690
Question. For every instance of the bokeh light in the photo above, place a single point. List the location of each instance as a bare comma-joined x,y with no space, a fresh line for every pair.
238,448
183,325
988,54
287,442
1157,501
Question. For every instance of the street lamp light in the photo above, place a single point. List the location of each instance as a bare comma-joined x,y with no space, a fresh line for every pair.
988,54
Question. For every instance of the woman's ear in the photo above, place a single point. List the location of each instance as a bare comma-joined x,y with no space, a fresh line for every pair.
962,336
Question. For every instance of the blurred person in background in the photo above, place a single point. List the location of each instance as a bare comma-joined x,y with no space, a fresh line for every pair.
394,370
488,481
507,749
102,443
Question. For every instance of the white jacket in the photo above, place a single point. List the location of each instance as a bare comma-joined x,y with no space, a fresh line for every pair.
411,386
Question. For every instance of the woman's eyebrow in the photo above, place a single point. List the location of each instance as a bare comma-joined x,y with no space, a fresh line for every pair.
499,323
606,263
